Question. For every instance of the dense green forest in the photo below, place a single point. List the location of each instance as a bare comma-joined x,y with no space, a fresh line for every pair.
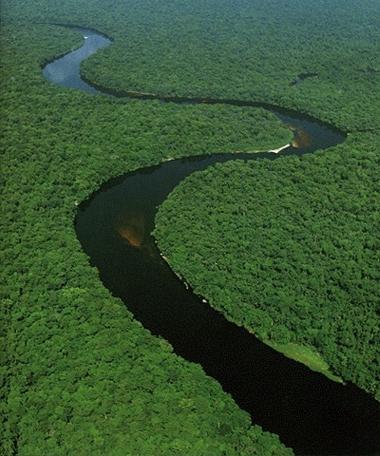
79,374
244,49
254,50
290,250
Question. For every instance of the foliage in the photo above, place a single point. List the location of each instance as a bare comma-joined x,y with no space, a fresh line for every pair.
242,49
80,374
83,375
305,355
246,49
289,249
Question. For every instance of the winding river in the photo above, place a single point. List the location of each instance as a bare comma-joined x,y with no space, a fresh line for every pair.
313,415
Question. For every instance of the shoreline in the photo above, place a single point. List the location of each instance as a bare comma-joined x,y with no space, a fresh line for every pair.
277,151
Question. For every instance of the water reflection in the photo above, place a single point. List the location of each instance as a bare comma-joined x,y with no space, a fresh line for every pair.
132,228
301,139
66,71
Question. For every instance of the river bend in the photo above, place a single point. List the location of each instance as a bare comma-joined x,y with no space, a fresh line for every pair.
313,415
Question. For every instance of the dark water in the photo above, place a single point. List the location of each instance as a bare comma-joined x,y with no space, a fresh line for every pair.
312,414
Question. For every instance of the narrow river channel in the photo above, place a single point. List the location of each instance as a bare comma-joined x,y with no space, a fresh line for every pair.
311,414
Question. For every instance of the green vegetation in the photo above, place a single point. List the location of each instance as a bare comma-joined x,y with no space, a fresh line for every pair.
79,374
307,356
244,49
290,250
249,50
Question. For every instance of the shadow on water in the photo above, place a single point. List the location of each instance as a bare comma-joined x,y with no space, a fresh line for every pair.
313,415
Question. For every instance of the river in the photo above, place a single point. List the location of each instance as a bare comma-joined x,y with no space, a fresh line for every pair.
311,414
